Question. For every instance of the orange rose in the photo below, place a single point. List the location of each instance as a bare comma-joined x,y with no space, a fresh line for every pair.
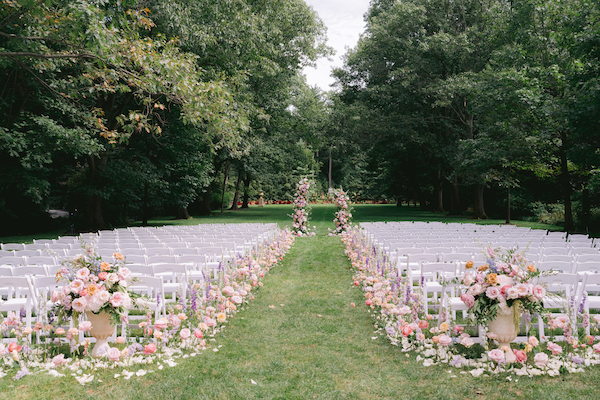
92,289
482,267
435,339
531,268
492,279
104,266
118,256
469,264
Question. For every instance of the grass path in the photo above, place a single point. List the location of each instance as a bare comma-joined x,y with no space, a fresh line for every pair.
310,344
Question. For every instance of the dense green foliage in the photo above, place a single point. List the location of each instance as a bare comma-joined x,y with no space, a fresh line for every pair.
458,97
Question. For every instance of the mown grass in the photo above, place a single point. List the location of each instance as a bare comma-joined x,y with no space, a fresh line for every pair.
312,344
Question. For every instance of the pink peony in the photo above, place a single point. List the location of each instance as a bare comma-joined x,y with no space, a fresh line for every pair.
185,333
468,299
541,359
113,354
199,334
521,356
406,330
423,324
368,302
150,348
554,348
496,355
445,340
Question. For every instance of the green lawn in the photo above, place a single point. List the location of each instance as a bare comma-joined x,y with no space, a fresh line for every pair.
310,344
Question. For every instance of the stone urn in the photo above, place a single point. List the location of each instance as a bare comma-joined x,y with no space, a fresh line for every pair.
506,330
102,328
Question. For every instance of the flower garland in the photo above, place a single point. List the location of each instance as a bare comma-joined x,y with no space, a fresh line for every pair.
301,212
399,315
343,216
188,328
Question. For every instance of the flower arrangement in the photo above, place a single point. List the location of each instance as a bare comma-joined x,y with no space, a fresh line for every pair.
343,216
398,314
92,286
503,285
301,212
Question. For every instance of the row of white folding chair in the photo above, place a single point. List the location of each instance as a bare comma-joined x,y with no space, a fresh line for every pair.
18,294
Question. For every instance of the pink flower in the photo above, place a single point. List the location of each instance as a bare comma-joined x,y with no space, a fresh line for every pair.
445,340
79,304
117,299
120,340
210,321
468,299
185,333
406,330
541,359
59,360
596,348
161,323
228,290
496,355
113,354
199,334
539,292
237,299
521,356
420,337
467,342
492,292
423,324
150,348
368,302
83,274
124,273
533,341
554,348
59,331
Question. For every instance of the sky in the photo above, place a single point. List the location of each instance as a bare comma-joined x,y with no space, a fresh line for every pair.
344,21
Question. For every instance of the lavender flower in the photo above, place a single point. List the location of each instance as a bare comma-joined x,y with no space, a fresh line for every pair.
21,374
390,331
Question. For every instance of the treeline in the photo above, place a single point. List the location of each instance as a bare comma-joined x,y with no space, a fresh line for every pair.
480,106
122,110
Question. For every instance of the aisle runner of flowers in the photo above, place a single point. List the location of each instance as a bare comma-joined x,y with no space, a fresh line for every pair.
399,314
188,329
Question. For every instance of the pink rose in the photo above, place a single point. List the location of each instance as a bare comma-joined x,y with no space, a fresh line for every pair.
539,292
368,302
468,299
85,326
113,354
210,321
199,334
467,342
150,348
228,290
83,274
185,333
404,310
423,324
237,299
124,273
79,304
120,339
554,348
117,299
406,330
161,323
541,359
496,355
59,360
596,348
492,292
533,341
445,340
520,355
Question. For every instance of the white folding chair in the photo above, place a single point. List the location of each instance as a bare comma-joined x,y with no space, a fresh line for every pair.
17,294
562,293
175,280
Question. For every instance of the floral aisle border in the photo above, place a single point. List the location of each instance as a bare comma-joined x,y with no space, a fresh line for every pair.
301,213
188,329
397,308
343,216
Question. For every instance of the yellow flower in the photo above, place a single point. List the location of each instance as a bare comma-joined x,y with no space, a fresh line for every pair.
469,264
444,327
492,278
528,347
531,268
482,267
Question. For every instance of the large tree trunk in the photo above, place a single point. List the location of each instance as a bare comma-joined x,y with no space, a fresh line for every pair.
478,205
247,181
439,190
586,208
455,198
182,213
225,180
204,202
236,196
566,183
508,206
95,210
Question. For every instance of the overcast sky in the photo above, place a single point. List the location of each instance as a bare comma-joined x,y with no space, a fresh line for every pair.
344,21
